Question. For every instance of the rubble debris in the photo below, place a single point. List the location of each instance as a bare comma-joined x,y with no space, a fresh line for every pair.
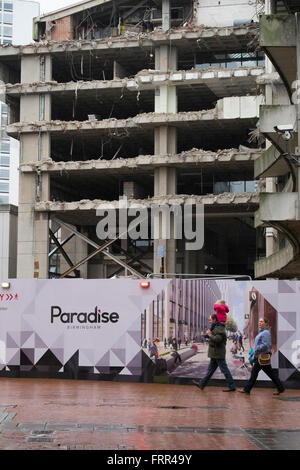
173,200
190,156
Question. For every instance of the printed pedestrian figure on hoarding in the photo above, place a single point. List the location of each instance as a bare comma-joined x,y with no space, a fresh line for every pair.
159,363
241,347
221,310
175,352
262,359
217,340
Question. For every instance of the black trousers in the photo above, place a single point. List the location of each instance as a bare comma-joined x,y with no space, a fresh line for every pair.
267,370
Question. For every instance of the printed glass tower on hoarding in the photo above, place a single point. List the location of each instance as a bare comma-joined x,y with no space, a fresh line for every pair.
16,18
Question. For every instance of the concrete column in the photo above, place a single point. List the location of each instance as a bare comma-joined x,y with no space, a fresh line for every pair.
119,71
166,15
33,228
165,178
165,183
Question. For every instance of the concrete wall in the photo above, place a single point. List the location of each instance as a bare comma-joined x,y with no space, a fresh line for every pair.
224,12
239,107
8,241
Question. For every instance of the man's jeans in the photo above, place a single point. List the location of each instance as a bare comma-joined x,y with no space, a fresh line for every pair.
267,370
212,367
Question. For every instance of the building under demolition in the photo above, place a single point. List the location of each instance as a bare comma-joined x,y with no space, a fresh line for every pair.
156,102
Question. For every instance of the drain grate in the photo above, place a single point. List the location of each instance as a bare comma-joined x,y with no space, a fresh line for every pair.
191,407
173,407
212,407
41,432
40,439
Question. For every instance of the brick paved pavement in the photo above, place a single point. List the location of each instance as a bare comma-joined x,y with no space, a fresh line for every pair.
61,414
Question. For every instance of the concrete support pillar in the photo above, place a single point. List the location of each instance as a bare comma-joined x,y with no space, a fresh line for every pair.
33,228
165,178
166,15
119,71
165,183
166,58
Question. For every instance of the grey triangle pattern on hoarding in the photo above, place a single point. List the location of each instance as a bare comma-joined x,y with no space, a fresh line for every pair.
25,325
136,362
115,361
88,354
285,288
121,354
283,337
283,324
284,374
290,317
125,371
59,353
39,343
136,325
272,299
25,335
10,342
16,336
59,342
15,360
104,361
121,343
29,353
136,336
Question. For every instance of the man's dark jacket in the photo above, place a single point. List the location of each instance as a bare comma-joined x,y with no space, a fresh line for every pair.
217,342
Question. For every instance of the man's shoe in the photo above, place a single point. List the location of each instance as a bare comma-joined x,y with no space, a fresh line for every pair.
244,391
229,390
197,384
278,393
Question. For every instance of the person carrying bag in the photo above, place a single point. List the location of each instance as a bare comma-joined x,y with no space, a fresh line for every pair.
262,359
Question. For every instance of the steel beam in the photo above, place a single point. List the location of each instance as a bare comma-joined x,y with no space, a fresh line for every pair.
99,248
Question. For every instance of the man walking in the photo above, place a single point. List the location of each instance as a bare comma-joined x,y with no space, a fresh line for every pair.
217,353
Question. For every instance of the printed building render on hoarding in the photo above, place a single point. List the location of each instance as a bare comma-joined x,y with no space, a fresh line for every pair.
102,329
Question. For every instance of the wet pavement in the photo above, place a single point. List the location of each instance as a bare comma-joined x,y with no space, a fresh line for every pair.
94,415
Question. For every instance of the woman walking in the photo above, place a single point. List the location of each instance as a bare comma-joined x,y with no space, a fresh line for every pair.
262,359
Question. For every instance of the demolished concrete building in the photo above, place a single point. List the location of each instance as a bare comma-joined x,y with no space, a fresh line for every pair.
141,101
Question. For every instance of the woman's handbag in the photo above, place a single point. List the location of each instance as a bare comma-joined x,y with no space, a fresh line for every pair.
264,359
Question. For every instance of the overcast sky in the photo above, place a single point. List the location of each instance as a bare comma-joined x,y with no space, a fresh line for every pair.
52,5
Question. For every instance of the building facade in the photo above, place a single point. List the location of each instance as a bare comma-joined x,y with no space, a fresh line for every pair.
181,311
16,25
16,17
158,103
